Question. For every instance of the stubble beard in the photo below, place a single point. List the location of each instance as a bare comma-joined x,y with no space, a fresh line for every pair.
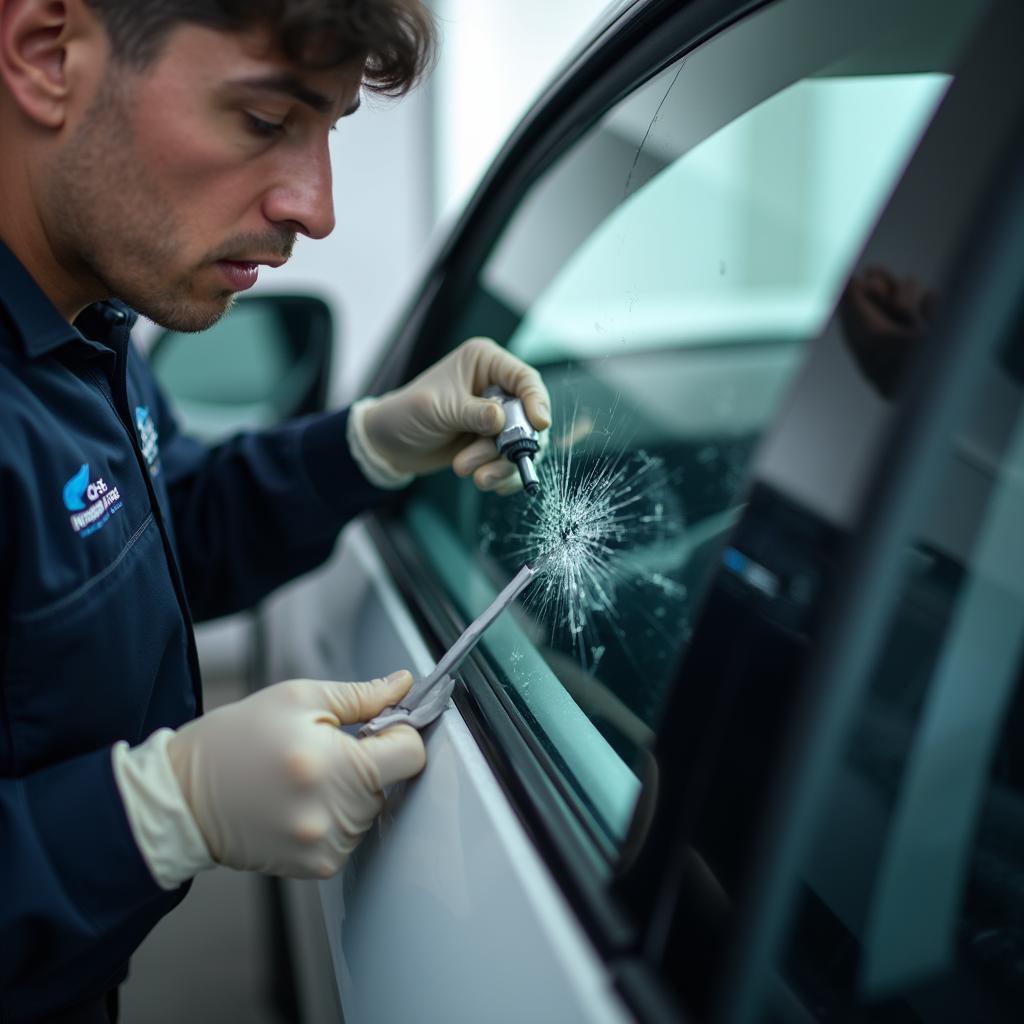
111,225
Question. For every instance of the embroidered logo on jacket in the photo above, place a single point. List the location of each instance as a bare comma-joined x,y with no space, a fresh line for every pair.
148,437
90,502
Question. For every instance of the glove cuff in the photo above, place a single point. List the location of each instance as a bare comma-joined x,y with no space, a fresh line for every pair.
162,824
374,466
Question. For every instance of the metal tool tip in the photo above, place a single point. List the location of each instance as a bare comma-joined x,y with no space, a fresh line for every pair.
528,475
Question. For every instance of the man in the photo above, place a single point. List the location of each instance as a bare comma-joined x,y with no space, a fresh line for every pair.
154,153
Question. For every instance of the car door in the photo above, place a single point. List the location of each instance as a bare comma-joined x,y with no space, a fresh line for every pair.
679,238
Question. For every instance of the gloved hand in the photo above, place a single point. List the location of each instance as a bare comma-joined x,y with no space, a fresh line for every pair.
275,786
438,418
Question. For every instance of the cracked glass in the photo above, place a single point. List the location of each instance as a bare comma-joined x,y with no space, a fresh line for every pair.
666,274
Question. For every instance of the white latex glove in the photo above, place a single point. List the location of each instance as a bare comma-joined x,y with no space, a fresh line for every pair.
438,418
275,786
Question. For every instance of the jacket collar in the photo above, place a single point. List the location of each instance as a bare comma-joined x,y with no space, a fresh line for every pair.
38,326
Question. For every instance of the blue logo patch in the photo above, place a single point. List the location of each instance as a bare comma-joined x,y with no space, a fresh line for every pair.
74,490
148,438
90,502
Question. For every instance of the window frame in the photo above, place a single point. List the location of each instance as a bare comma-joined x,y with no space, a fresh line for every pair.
617,918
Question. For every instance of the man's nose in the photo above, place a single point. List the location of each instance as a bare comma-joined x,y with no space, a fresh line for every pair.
303,199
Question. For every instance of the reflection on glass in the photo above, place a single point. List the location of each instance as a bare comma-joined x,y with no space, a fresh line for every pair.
884,319
747,236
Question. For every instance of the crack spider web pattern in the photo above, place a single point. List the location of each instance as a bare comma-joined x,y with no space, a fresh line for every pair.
599,527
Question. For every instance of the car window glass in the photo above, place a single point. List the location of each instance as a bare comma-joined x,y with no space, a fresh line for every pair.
665,274
910,905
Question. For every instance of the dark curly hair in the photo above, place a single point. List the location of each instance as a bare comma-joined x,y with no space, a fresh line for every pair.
397,35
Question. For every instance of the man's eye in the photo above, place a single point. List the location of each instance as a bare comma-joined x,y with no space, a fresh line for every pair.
265,129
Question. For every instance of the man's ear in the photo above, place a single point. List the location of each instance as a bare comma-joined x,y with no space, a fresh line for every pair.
33,50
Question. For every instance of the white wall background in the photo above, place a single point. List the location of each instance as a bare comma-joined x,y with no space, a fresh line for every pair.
497,56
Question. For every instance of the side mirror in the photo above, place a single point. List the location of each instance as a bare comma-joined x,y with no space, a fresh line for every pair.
266,361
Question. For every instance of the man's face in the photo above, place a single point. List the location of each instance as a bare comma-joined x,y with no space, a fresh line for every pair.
180,179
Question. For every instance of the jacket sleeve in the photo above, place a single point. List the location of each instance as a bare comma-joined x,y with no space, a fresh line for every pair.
71,912
260,509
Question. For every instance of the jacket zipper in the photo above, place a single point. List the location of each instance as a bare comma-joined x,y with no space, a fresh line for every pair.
119,402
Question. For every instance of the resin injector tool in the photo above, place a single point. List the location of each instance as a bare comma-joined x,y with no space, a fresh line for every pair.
518,441
428,696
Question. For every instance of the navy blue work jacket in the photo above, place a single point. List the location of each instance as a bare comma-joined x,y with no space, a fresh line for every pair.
115,531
